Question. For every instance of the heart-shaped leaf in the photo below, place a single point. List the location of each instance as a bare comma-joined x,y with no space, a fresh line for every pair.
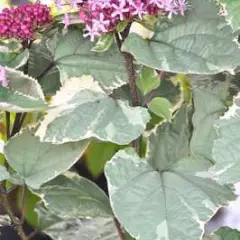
226,147
37,162
74,58
199,42
72,196
23,94
164,192
82,110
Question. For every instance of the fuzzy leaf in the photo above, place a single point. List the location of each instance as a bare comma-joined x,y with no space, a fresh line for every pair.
224,233
200,42
97,154
72,196
23,95
37,162
103,43
232,8
41,66
3,173
82,110
74,58
226,147
71,228
147,80
13,59
163,192
209,105
161,107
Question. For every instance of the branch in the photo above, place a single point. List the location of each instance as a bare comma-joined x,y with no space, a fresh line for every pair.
15,222
16,124
8,122
131,78
23,203
132,85
118,226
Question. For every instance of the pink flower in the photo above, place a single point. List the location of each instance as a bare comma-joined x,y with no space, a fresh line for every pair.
104,3
91,32
139,10
158,3
103,15
170,7
181,6
119,10
66,20
100,23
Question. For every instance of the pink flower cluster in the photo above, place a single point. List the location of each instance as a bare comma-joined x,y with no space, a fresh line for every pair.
102,15
21,22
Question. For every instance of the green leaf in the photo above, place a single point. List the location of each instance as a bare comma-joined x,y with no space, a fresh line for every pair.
74,58
37,162
90,112
200,42
13,59
24,94
163,192
103,43
224,233
226,148
121,26
165,141
97,154
3,173
209,104
232,8
41,66
72,196
161,107
147,80
72,229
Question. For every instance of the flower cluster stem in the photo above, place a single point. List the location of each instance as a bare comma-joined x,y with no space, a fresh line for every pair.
131,78
129,65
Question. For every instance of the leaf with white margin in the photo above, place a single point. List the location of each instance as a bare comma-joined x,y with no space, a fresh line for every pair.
58,228
37,162
23,94
74,58
226,147
232,9
163,191
170,204
224,233
4,173
13,59
201,42
74,196
82,110
209,105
